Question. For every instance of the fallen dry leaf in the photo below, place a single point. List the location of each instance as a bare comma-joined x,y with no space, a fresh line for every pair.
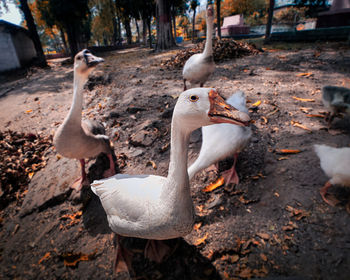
231,259
303,99
256,104
263,257
265,121
263,235
297,124
305,110
315,115
72,259
30,175
298,214
45,257
288,151
152,163
200,241
290,226
29,111
272,112
283,158
219,182
197,226
304,74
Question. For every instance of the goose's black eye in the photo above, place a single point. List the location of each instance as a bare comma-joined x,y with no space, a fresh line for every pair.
194,98
79,58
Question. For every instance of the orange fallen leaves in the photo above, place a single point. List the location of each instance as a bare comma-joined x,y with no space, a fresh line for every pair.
265,121
263,257
298,214
297,124
303,99
197,226
290,226
263,235
288,151
202,240
315,115
152,163
29,111
219,182
256,104
45,257
304,74
72,259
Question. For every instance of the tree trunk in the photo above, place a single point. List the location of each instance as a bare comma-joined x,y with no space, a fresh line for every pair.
165,39
269,21
174,24
114,22
149,32
33,32
127,30
144,32
119,32
63,38
138,31
193,24
73,45
218,17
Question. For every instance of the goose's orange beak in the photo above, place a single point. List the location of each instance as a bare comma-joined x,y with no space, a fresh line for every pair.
221,112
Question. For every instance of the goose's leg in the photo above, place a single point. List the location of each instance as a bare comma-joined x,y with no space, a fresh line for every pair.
82,181
323,192
185,88
111,171
123,258
156,250
230,175
201,84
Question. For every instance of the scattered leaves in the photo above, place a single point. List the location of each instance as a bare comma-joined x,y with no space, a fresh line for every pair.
265,121
290,226
219,182
303,99
315,115
72,259
298,214
288,151
297,124
304,74
201,240
263,257
197,226
29,111
152,163
263,235
45,257
222,49
21,155
256,104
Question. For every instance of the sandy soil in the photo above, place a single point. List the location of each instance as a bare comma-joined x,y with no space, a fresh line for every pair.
273,225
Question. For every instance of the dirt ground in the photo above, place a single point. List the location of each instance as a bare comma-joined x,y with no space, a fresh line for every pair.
273,225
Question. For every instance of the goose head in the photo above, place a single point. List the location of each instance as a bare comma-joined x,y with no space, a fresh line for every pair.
85,62
199,107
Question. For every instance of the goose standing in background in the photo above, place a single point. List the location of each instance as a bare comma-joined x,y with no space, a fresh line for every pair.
77,139
335,162
224,140
200,66
156,207
336,100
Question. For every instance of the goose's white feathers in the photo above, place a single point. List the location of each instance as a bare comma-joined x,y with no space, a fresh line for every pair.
335,162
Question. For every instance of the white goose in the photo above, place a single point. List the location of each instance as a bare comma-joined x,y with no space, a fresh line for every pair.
77,139
335,162
155,207
200,66
224,140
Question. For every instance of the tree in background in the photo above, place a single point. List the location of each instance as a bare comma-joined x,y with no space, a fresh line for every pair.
165,39
178,8
218,17
73,17
269,21
193,5
33,32
147,10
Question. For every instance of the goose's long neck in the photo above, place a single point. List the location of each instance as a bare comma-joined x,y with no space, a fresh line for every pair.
208,49
74,115
177,175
